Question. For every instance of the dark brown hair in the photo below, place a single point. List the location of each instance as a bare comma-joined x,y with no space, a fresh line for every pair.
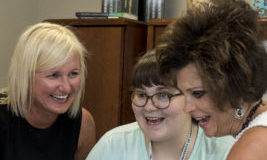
146,73
221,40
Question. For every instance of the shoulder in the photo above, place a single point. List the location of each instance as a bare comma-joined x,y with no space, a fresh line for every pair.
128,132
87,118
5,117
251,145
88,129
4,109
87,137
260,120
3,98
123,142
123,136
3,103
127,129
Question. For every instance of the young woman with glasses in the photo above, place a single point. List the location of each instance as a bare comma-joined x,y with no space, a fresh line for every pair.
162,131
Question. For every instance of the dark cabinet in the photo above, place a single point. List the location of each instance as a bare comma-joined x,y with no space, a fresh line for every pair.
156,27
263,28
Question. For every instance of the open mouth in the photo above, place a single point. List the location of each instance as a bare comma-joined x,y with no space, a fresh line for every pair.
203,121
154,120
60,97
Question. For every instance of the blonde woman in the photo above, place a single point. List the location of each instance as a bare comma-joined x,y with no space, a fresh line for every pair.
40,112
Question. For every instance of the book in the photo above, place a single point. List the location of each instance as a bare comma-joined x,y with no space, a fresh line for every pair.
91,15
123,15
86,15
154,9
121,8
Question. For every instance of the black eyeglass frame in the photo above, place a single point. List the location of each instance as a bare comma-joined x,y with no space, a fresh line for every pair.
151,98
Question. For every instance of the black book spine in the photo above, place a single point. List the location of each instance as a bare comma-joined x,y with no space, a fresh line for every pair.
141,10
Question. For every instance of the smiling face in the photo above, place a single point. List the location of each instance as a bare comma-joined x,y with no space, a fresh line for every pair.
55,89
200,106
161,124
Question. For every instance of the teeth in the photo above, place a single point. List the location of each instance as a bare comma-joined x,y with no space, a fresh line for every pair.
198,119
152,118
204,119
60,97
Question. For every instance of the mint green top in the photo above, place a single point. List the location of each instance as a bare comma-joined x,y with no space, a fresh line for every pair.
127,142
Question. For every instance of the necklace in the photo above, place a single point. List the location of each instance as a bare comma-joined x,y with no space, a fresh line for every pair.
185,149
251,113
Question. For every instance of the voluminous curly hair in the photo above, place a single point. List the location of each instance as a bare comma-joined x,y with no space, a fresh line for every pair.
221,40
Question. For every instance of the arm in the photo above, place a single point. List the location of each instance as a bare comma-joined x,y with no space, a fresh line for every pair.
251,145
87,136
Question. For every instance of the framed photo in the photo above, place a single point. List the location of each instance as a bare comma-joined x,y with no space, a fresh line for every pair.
260,6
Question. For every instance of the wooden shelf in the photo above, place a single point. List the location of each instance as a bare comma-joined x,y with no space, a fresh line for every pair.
156,27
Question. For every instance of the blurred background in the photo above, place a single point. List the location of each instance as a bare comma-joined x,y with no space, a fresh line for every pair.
17,15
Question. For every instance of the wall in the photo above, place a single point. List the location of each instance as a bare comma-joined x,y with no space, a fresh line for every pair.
174,8
16,15
65,8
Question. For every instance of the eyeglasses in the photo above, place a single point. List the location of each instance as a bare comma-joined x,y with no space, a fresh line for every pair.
159,100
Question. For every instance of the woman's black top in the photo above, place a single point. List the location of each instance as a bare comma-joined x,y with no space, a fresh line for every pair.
20,141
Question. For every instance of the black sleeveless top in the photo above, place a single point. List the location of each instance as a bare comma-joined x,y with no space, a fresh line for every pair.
20,141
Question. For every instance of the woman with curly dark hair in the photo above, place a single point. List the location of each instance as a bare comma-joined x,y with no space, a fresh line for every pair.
220,66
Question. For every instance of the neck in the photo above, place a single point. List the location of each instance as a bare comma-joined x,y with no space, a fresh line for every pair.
39,119
251,111
173,148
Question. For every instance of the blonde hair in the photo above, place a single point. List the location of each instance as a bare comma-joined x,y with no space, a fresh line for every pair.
41,47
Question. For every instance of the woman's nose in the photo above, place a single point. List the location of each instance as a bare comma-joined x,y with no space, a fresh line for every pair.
188,106
150,106
65,85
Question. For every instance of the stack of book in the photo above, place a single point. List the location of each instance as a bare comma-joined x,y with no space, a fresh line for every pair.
151,9
121,8
88,15
154,9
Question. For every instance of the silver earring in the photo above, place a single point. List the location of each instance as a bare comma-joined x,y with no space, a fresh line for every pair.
239,113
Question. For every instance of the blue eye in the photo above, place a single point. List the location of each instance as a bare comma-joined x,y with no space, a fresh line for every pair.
198,94
140,94
163,95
